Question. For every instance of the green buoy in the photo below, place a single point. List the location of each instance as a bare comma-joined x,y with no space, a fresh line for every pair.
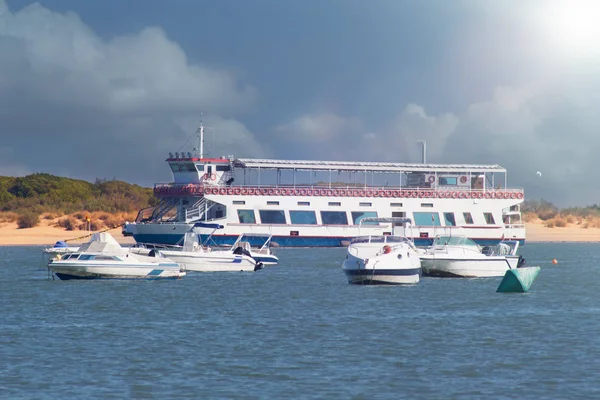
518,280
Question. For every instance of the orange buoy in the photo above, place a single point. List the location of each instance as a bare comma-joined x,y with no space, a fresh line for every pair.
554,261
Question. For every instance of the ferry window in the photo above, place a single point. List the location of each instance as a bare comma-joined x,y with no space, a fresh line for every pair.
468,218
272,203
357,216
449,219
239,202
334,218
246,216
223,168
489,218
365,204
188,167
335,203
427,219
200,167
174,167
448,180
272,216
303,217
304,203
426,204
395,204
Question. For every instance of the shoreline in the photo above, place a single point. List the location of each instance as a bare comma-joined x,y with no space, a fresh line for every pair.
47,235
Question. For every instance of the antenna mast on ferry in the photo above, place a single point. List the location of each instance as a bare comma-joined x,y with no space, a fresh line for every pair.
200,148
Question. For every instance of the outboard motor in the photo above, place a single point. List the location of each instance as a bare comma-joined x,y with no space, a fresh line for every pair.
258,266
521,262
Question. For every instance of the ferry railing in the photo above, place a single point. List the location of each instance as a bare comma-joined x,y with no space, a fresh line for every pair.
164,189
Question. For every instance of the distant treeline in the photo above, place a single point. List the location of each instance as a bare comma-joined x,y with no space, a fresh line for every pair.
36,194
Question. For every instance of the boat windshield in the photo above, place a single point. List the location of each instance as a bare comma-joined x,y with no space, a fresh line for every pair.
454,241
380,239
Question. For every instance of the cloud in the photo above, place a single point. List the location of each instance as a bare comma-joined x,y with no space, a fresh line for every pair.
74,104
523,128
317,128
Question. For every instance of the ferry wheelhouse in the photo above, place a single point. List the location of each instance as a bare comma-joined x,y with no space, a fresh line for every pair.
306,203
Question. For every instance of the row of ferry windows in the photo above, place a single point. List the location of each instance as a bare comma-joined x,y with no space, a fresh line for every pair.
331,203
302,217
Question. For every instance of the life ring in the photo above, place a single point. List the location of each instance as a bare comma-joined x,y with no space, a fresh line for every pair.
222,191
302,192
461,195
519,195
414,193
463,179
454,195
356,193
329,192
230,191
395,194
376,193
250,191
213,177
427,194
431,179
277,192
493,195
342,192
336,192
421,194
361,193
487,195
206,176
513,195
244,191
236,190
408,194
501,195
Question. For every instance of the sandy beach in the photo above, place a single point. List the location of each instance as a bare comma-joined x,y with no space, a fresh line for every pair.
45,234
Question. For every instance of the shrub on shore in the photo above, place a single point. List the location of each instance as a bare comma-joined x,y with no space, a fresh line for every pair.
27,220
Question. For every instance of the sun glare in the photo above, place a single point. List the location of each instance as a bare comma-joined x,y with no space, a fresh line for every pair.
574,25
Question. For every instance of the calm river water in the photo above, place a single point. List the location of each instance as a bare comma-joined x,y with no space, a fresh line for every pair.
299,330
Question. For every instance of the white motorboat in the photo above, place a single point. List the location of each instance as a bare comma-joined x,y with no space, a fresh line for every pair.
459,256
382,259
195,257
103,258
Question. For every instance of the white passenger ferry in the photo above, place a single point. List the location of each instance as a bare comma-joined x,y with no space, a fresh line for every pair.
321,203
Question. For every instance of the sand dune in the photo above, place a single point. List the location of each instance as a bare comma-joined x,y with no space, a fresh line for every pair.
45,234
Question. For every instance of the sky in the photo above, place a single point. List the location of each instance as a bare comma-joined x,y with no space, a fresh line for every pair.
107,89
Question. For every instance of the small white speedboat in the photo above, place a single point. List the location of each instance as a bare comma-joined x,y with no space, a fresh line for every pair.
195,257
382,260
459,256
103,258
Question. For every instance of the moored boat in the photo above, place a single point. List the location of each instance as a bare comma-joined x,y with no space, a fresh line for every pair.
459,256
103,258
382,259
